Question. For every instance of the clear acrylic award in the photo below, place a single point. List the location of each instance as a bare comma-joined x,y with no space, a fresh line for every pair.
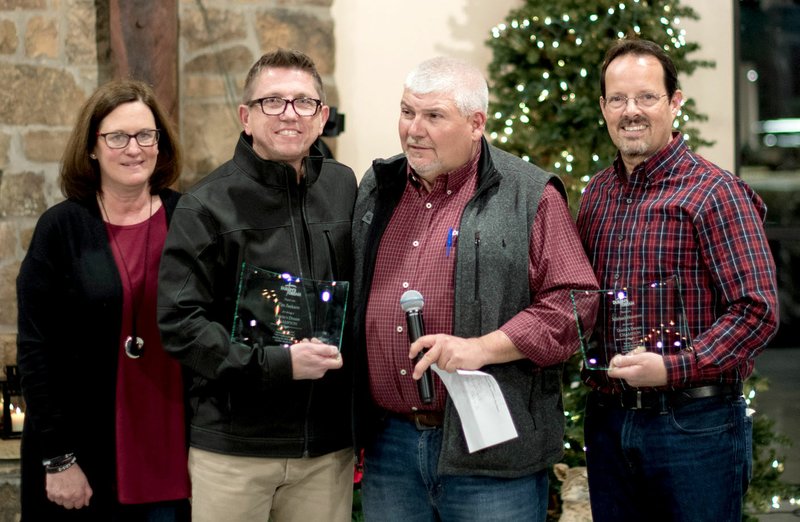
649,317
282,309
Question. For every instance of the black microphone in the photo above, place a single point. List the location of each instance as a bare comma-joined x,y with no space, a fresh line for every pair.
411,302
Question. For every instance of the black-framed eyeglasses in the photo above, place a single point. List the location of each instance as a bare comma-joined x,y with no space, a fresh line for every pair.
275,106
647,99
120,140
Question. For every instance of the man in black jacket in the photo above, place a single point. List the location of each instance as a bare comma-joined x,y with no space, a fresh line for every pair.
271,422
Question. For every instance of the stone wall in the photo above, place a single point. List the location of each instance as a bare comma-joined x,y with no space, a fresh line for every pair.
49,65
219,41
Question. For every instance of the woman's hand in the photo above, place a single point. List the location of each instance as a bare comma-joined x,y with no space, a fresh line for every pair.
69,488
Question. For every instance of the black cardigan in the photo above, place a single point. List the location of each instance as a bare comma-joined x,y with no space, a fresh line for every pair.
69,295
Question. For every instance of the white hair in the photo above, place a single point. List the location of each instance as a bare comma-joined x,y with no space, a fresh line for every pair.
451,76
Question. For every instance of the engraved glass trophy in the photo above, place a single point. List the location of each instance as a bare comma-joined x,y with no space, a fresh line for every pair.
282,309
649,317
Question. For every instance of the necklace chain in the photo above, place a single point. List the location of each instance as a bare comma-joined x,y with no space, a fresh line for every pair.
133,343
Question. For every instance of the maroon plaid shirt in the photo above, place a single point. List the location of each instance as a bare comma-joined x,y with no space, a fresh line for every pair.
414,255
680,215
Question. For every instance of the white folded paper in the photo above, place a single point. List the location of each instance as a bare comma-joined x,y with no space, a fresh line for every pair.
484,414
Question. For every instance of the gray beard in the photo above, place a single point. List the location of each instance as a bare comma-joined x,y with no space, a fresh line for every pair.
634,150
424,170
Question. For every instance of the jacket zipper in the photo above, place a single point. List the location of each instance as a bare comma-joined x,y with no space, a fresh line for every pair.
295,232
306,435
306,244
331,256
306,233
477,264
310,252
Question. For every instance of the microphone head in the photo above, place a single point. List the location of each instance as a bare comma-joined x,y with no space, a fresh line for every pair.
411,300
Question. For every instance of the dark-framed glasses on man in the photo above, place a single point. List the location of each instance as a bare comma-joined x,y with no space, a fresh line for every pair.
275,106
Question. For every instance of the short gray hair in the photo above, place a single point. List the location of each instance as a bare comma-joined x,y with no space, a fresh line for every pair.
456,77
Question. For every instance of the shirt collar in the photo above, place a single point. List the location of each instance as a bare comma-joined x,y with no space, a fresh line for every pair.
659,164
450,181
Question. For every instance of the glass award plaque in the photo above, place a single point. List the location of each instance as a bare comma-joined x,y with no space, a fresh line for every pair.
649,318
283,309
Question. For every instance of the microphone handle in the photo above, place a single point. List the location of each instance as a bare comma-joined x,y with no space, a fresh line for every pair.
416,329
425,383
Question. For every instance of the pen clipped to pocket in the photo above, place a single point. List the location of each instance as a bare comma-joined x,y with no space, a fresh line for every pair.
452,237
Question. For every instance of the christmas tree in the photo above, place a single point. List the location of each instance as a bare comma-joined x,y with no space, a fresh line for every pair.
545,79
545,88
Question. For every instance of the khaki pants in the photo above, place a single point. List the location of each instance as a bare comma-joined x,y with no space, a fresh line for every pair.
228,488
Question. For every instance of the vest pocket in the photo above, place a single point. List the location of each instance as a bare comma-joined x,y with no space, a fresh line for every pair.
477,265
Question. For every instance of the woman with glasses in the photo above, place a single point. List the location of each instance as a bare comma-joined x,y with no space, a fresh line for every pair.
104,436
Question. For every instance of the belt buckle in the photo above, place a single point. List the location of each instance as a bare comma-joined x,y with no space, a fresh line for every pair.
419,425
627,404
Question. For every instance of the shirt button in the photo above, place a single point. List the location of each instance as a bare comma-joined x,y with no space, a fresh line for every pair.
413,408
629,201
399,329
415,243
616,276
449,192
405,284
620,237
403,371
428,205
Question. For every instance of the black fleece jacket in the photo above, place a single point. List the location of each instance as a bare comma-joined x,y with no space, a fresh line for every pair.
253,211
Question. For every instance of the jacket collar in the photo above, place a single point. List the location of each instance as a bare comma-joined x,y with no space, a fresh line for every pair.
393,172
275,172
487,174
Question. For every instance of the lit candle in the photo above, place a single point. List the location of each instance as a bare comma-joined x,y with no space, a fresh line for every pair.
17,420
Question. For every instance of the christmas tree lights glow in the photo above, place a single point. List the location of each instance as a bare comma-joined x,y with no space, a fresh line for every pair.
546,67
545,85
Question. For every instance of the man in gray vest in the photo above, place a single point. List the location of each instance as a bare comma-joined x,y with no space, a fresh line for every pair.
488,240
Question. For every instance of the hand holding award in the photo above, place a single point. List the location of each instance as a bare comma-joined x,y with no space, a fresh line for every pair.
282,309
632,319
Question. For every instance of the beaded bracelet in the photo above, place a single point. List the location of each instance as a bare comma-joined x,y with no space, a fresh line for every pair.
59,464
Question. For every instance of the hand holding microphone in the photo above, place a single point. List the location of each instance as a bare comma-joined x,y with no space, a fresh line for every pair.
411,302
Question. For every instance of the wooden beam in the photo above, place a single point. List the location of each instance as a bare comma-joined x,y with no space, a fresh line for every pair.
143,38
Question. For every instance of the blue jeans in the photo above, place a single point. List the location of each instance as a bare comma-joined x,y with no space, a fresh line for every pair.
683,464
401,484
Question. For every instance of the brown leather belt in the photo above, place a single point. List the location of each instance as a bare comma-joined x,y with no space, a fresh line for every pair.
659,400
423,420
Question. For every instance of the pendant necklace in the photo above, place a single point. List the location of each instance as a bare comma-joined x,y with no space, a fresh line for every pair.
134,345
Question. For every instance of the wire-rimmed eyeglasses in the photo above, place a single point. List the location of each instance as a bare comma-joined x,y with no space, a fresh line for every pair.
275,106
120,140
647,99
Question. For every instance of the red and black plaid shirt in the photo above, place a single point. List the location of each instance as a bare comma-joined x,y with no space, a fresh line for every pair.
680,215
414,255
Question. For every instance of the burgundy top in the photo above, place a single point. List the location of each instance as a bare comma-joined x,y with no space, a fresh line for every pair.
150,420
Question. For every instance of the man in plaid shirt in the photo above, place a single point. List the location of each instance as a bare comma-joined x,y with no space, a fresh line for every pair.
667,434
487,238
